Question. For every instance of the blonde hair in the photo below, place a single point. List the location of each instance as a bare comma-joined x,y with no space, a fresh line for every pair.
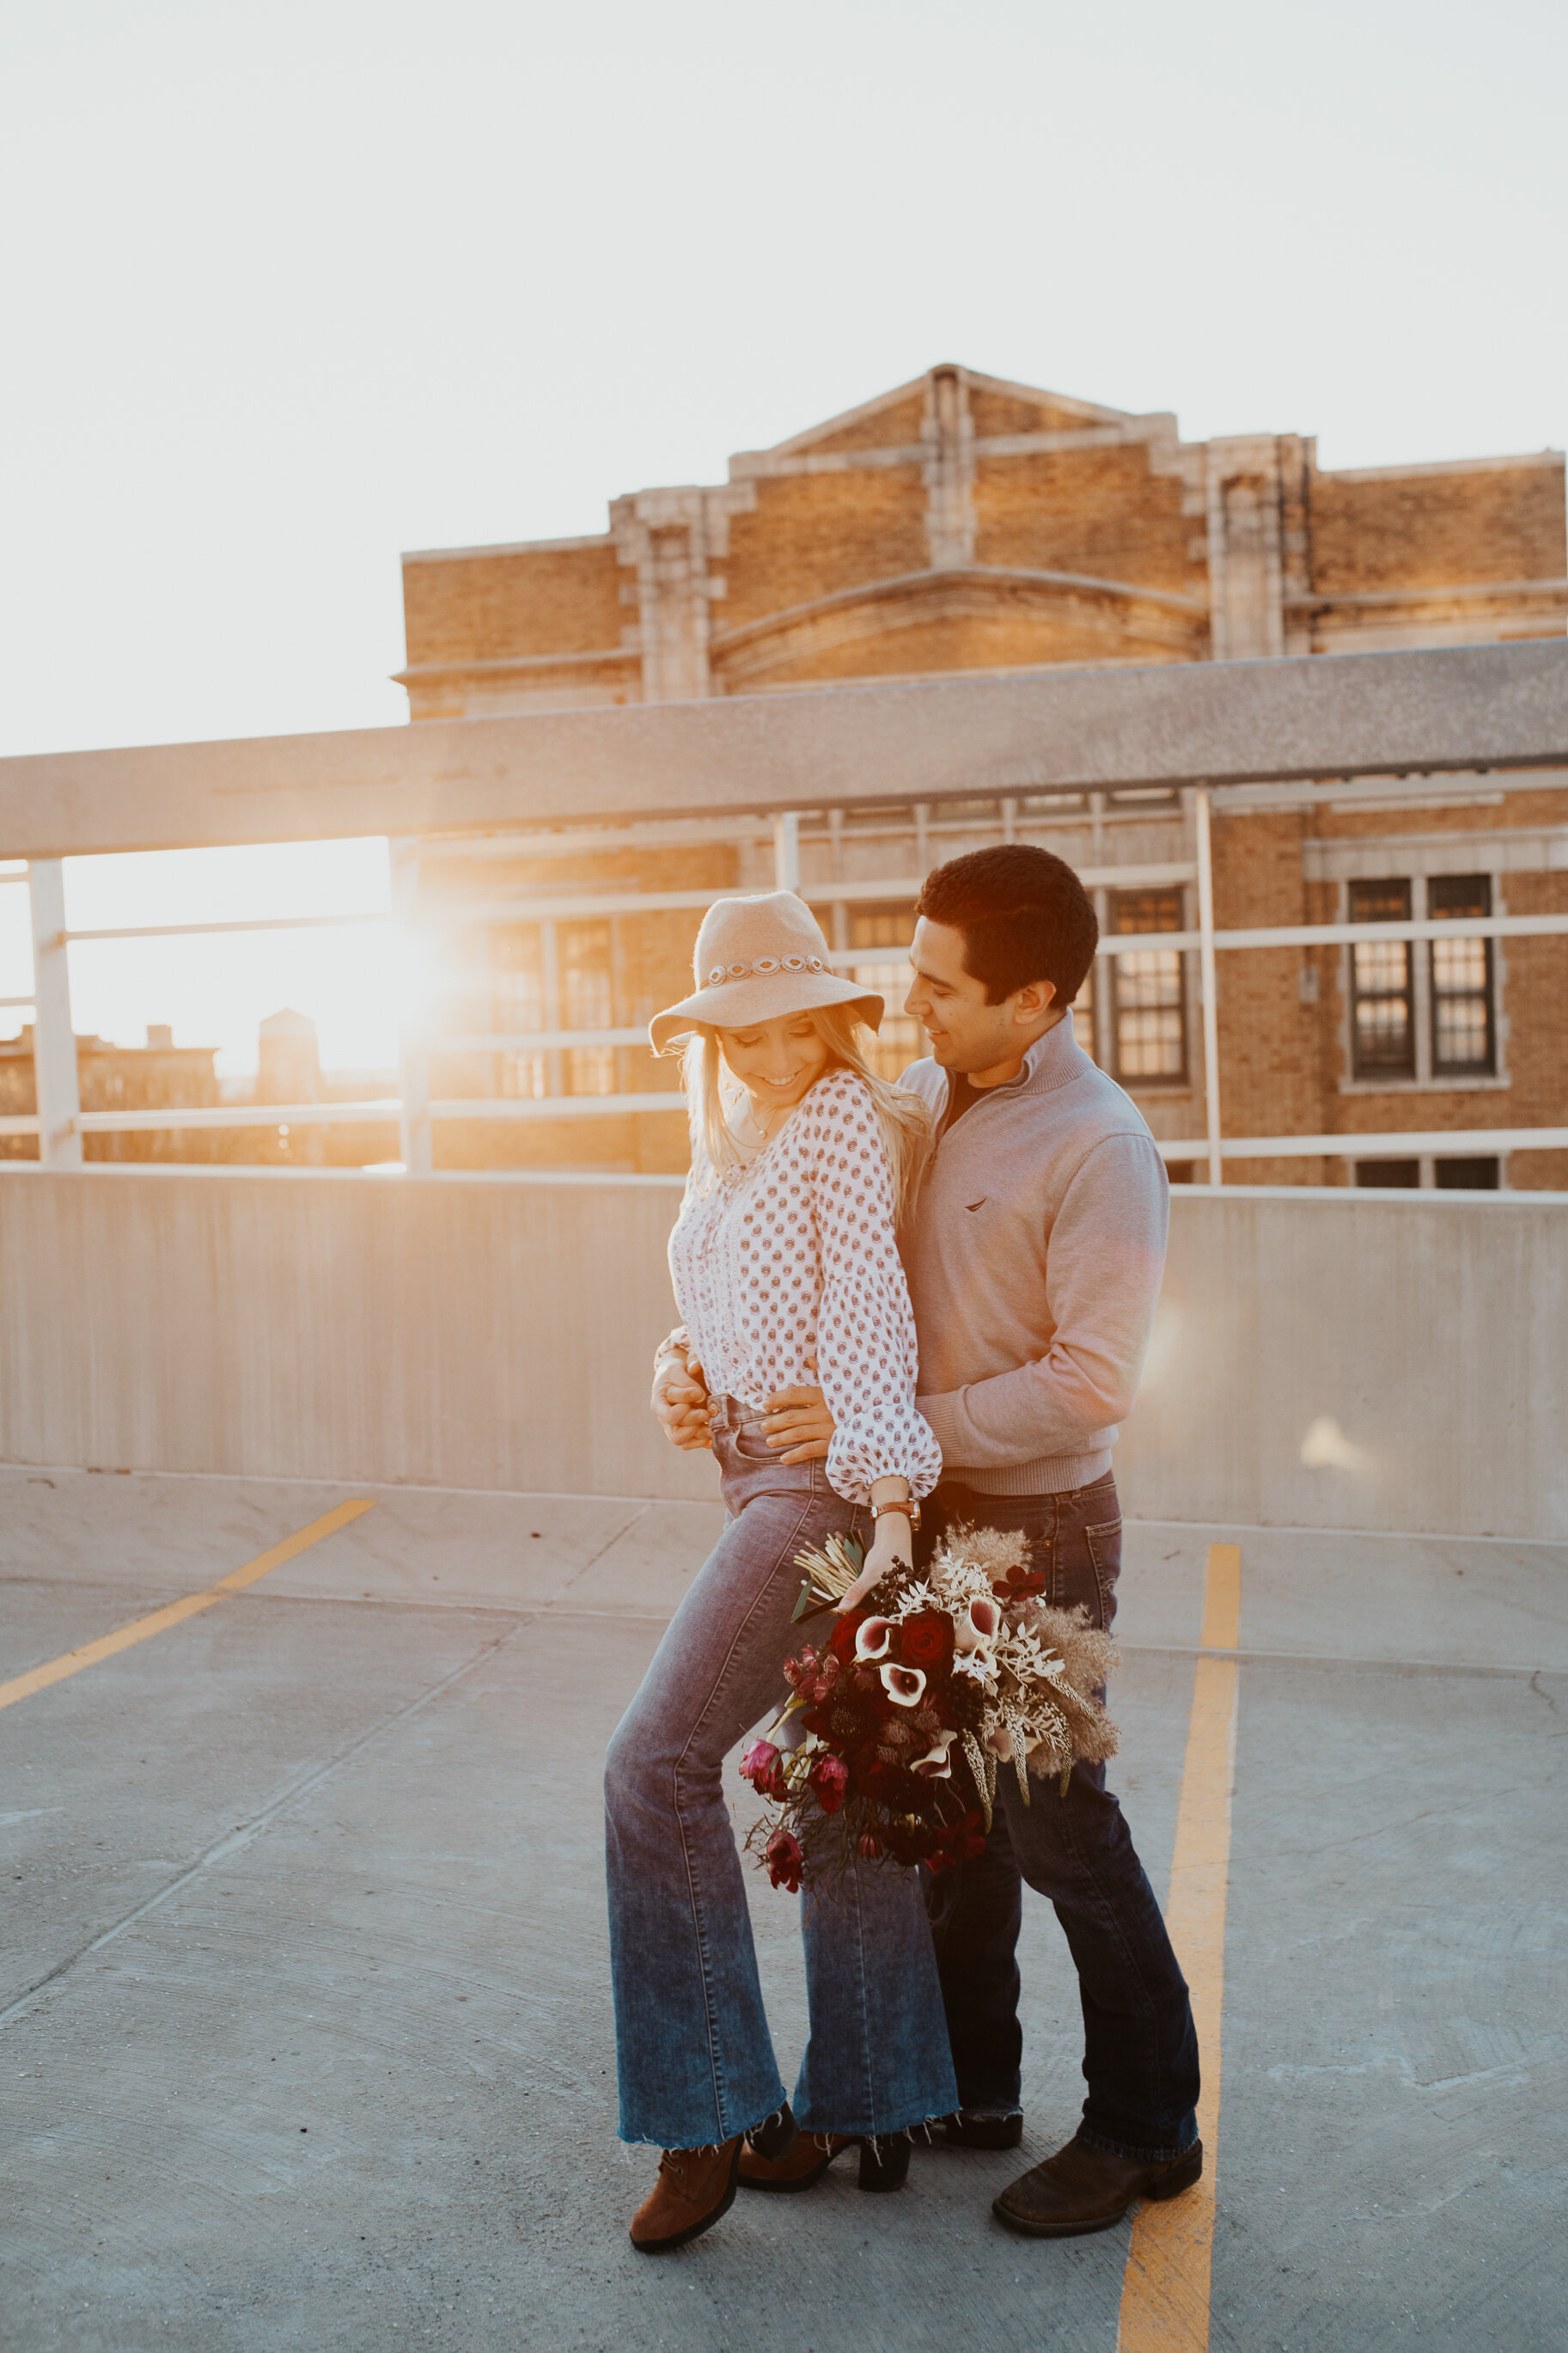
902,1119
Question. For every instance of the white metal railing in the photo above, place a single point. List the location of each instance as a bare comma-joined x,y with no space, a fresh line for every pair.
60,1123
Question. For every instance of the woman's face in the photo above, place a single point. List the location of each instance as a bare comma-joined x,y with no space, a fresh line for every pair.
775,1062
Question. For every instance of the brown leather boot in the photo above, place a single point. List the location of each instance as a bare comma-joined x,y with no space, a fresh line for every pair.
884,2164
804,2162
695,2188
1081,2190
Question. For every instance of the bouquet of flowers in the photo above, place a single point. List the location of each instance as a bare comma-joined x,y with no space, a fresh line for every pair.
915,1700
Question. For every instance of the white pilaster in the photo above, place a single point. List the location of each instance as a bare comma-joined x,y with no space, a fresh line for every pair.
53,1038
670,540
413,1043
948,434
1246,611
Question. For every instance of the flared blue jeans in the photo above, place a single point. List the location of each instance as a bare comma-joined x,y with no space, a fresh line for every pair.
695,2057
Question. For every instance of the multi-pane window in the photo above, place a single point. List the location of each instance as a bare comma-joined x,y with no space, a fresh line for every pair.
1463,1038
1148,1028
889,930
587,1002
546,976
1083,1014
1383,1028
517,987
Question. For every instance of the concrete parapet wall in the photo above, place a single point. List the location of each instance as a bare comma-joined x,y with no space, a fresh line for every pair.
1322,1358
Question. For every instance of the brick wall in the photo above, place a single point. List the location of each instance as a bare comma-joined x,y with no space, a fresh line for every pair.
1283,1056
994,412
1435,530
814,533
979,628
485,606
1535,1005
1100,512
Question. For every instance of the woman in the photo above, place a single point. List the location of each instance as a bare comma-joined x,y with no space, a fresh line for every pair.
784,1252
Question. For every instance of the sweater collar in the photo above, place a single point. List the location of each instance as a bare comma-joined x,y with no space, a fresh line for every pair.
1054,1060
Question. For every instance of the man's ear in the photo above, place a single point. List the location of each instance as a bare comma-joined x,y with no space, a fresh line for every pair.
1035,996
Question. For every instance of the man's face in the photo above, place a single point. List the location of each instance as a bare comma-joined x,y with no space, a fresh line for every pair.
966,1034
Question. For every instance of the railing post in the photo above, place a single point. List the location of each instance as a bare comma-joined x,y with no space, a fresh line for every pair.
1207,977
53,1038
413,1048
787,850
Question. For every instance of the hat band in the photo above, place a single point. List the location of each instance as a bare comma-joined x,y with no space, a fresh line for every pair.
762,966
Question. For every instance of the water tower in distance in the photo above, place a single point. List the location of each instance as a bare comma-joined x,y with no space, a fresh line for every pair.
289,1063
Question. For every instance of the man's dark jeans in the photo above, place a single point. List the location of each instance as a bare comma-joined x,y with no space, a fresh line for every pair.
1140,2051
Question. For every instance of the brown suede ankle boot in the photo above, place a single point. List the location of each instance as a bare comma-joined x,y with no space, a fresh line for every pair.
695,2188
804,2162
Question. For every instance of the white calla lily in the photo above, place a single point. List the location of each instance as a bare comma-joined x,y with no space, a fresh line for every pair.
936,1765
979,1625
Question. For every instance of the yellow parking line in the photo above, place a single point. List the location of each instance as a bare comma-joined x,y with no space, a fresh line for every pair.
1165,2288
72,1662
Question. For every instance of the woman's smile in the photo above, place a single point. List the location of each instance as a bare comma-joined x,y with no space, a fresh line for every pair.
752,1054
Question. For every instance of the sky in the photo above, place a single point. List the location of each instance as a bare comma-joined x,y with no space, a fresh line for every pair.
288,289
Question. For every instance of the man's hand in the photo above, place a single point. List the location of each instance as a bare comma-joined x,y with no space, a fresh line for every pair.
799,1425
680,1396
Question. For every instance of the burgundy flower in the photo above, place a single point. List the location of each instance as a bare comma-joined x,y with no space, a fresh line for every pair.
1021,1584
783,1860
761,1766
842,1640
926,1639
870,1844
830,1779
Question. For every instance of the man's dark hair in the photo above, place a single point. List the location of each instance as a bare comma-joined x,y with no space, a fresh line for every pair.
1024,916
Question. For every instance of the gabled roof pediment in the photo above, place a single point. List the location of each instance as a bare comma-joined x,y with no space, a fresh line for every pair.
895,419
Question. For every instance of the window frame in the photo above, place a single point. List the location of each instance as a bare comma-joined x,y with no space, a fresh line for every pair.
1364,1067
1107,1022
1428,1077
1487,1067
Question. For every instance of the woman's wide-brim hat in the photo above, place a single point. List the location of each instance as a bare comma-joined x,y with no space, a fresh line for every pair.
757,958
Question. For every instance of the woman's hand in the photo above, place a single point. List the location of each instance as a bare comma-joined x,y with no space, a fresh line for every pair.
680,1397
890,1550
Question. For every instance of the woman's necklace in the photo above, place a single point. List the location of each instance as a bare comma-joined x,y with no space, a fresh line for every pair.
754,1134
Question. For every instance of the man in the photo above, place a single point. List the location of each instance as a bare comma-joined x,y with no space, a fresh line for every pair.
1033,1263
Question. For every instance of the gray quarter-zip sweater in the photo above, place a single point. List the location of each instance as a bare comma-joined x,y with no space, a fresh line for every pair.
1034,1258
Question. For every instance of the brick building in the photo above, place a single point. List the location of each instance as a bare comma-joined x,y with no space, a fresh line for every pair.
155,1077
964,524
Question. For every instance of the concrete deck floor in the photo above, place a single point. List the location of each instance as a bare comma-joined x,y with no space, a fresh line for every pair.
320,2053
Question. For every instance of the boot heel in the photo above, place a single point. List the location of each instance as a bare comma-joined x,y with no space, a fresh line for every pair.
884,2164
1181,2176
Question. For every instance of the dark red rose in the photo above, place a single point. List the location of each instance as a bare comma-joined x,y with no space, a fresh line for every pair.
842,1640
926,1640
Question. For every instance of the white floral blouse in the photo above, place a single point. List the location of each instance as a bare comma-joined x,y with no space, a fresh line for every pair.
794,1257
